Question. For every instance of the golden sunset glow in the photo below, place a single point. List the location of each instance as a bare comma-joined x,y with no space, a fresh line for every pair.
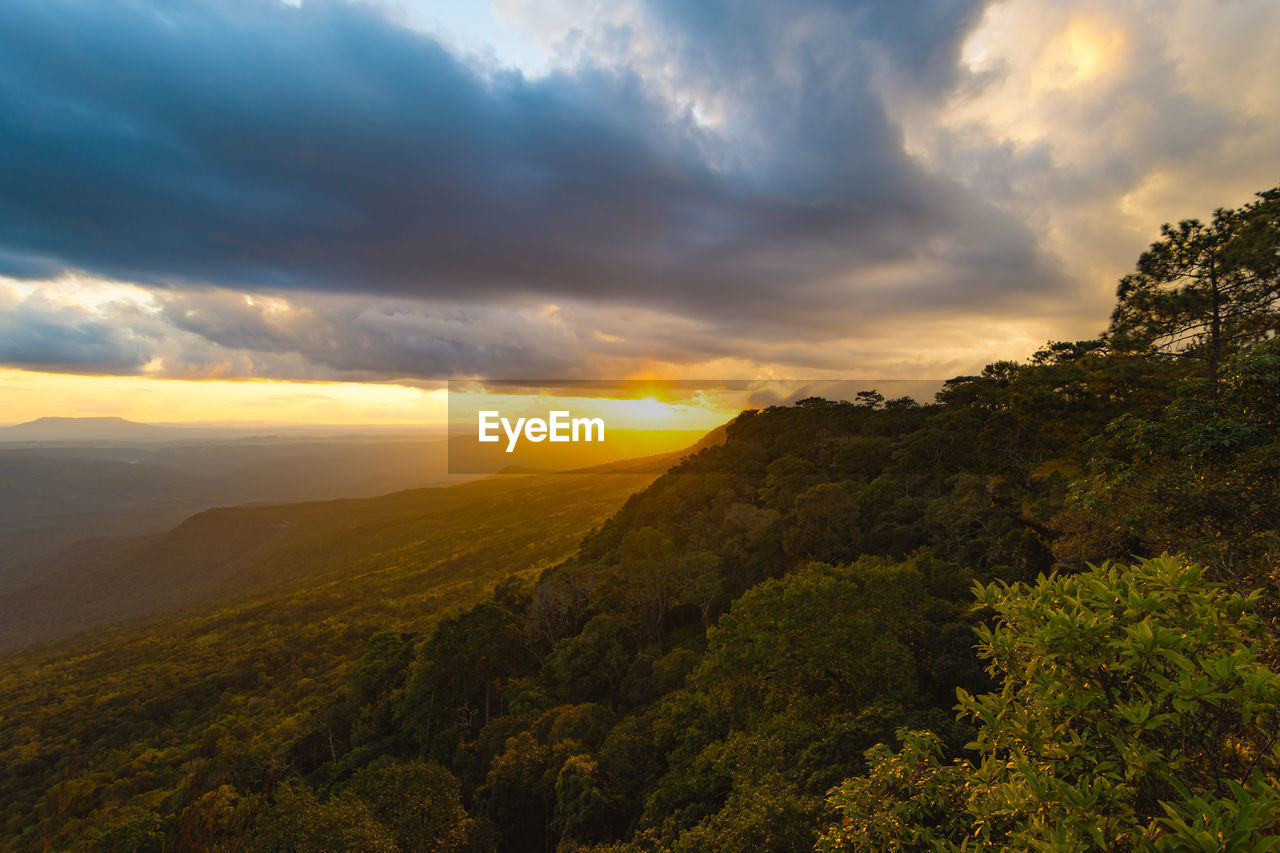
1082,53
646,413
27,395
647,408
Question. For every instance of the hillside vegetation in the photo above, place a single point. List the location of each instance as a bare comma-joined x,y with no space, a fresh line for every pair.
117,717
869,625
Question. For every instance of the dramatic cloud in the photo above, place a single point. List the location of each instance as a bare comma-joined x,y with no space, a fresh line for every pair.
1097,121
316,191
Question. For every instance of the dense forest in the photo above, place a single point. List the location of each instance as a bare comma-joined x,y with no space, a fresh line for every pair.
1038,612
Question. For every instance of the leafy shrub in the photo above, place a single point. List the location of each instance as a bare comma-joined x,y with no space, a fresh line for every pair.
1135,714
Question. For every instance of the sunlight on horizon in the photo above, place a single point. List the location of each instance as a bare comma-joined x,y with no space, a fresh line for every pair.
29,395
647,413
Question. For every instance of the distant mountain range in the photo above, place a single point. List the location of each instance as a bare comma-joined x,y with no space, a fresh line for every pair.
88,429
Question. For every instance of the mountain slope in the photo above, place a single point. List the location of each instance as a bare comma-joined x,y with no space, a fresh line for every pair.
223,554
48,502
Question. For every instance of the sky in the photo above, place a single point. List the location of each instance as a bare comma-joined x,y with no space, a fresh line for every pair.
237,204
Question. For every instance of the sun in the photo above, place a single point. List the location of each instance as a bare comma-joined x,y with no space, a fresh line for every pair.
1085,51
648,409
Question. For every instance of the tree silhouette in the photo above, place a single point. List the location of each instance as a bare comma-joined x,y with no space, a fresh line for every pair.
1204,290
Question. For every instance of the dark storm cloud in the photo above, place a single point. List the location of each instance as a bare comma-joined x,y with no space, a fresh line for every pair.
20,265
317,147
250,144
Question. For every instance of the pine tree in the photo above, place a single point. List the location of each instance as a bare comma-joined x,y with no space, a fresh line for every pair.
1205,290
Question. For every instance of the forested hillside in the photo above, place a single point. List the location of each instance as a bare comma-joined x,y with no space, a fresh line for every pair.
764,649
159,713
230,553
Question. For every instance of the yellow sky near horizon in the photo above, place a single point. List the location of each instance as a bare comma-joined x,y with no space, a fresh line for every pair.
26,395
29,395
